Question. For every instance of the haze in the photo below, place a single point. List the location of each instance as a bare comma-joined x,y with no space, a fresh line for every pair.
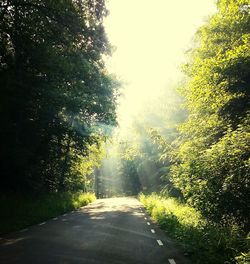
150,37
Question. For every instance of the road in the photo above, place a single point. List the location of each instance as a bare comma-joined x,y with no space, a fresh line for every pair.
112,231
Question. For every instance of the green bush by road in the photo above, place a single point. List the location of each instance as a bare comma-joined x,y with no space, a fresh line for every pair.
19,211
205,242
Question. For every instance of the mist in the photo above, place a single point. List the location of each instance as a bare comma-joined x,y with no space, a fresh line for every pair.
150,45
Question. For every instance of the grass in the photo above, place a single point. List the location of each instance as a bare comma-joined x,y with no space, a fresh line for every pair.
205,242
20,211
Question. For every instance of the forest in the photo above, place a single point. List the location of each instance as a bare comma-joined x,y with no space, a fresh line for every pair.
187,156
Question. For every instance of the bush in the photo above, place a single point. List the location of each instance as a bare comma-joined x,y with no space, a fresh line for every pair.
205,242
19,211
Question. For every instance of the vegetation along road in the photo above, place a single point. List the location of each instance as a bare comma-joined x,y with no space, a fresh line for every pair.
115,230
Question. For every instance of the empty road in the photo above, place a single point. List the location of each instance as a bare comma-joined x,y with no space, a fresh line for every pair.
112,231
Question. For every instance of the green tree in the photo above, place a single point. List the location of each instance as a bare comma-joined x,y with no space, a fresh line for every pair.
212,156
54,88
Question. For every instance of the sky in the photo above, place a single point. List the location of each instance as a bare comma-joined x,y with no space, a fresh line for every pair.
150,39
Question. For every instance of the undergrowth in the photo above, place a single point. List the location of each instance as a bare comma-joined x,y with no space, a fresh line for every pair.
205,242
19,211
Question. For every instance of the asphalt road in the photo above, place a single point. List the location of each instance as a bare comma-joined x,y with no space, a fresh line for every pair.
112,231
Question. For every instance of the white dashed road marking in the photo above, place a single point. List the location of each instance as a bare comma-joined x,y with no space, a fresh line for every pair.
171,261
64,214
148,223
55,218
42,223
145,218
159,242
153,231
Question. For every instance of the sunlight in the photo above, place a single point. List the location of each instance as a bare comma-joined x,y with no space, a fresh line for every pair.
151,38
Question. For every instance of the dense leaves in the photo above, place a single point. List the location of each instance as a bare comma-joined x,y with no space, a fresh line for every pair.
212,156
54,88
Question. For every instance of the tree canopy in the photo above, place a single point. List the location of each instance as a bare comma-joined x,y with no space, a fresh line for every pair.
212,156
55,89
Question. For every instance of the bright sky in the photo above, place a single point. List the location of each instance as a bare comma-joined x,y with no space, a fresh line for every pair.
151,37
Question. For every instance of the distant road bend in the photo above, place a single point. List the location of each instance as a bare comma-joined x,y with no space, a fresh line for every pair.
112,231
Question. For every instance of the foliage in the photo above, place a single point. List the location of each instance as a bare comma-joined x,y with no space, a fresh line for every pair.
204,241
83,168
25,210
130,179
55,90
211,156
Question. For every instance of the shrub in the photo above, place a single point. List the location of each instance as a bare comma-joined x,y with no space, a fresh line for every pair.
206,242
19,211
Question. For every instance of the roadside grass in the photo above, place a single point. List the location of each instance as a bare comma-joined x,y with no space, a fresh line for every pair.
20,211
204,242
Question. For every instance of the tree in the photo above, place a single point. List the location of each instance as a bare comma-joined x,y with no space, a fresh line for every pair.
54,88
212,156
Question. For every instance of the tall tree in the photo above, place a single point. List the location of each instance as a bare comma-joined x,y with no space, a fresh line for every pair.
54,87
212,160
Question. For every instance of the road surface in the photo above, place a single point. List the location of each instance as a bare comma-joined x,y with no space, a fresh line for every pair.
112,231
